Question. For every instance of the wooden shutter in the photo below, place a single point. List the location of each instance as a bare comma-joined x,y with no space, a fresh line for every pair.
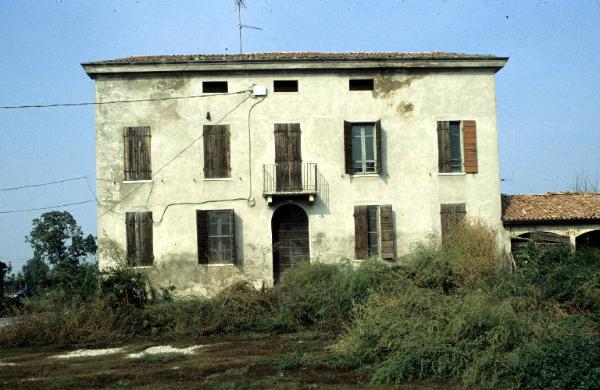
145,238
130,227
348,147
216,139
444,157
137,153
139,238
451,214
232,235
379,164
470,146
202,234
361,232
386,229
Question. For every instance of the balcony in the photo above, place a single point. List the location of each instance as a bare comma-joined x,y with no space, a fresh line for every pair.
290,180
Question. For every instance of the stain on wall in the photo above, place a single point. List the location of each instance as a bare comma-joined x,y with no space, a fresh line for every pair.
387,83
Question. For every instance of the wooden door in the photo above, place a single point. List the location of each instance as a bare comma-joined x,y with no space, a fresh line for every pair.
288,157
290,238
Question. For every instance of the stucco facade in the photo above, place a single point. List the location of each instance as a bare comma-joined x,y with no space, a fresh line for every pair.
408,97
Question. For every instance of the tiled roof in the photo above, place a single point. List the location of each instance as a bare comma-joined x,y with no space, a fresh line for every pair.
553,206
296,56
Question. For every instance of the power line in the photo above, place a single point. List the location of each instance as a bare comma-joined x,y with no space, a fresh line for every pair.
120,101
43,184
47,208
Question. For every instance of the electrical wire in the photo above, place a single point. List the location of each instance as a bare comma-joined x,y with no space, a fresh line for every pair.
43,184
119,101
46,208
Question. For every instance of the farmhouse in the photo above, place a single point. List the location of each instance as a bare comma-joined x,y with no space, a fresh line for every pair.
215,168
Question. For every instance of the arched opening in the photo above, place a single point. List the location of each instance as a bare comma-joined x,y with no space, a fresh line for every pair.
519,243
289,227
588,240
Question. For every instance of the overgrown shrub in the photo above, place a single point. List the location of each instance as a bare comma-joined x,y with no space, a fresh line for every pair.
568,362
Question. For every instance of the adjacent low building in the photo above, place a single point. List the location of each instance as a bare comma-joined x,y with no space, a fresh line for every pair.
553,218
216,168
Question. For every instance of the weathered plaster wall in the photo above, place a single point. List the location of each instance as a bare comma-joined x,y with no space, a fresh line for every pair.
408,103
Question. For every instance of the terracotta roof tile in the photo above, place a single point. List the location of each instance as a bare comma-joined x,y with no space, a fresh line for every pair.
295,56
553,206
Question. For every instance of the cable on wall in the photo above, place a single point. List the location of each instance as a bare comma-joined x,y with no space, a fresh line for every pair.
120,101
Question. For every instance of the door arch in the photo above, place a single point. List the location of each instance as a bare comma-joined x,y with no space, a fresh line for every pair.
588,240
289,229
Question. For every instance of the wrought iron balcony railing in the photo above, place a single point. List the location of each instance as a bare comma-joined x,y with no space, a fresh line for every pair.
290,178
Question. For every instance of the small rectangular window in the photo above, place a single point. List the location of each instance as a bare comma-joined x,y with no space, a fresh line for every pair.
361,84
285,85
455,147
373,231
214,87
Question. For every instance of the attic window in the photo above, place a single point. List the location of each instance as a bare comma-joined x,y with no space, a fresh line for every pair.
285,85
214,87
361,84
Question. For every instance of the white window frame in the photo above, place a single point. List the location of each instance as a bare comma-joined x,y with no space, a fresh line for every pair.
363,151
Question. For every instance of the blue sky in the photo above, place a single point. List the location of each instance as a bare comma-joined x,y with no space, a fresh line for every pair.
548,94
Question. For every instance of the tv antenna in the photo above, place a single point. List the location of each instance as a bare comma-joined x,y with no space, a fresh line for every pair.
242,4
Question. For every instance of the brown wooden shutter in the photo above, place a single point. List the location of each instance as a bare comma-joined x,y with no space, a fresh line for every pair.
470,146
216,139
232,235
386,229
361,232
444,158
145,238
379,165
451,214
202,234
137,153
348,147
130,227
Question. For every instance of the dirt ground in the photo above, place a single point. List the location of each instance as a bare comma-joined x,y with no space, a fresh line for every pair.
286,361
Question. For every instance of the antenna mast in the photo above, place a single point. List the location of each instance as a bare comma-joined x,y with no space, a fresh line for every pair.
242,4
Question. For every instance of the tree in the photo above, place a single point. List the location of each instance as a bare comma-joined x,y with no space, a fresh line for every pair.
4,269
584,182
59,244
35,275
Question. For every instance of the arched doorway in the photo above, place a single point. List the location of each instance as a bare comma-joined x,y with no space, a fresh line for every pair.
588,240
289,227
545,239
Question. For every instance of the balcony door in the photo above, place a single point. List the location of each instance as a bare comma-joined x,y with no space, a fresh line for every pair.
288,157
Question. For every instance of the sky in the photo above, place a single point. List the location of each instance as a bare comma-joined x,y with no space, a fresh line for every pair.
548,94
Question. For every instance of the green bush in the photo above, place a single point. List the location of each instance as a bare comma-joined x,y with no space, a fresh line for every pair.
571,362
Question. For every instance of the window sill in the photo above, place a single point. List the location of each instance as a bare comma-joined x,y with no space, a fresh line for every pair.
142,267
365,175
218,179
136,181
217,265
451,173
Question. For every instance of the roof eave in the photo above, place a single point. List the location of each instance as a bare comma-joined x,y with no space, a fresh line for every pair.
552,221
95,68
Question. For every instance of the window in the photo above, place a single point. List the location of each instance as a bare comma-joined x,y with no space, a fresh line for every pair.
361,84
362,143
451,214
373,231
137,153
216,236
457,147
139,238
285,85
216,151
214,87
